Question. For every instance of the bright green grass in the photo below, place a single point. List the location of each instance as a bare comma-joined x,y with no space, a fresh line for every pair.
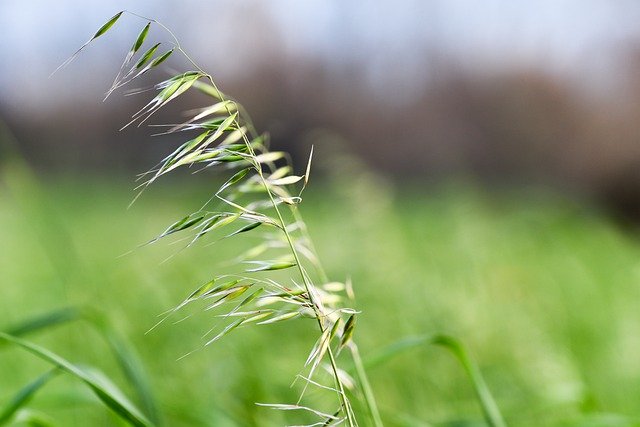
545,296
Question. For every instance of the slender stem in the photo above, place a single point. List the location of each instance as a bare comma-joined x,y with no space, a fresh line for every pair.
308,287
366,387
307,284
361,373
305,233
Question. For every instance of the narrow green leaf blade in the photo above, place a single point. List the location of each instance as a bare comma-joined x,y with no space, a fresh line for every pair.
100,32
251,297
222,127
347,331
280,318
246,228
226,330
33,418
220,223
45,321
159,60
201,290
147,56
108,393
134,371
141,37
272,266
24,396
186,222
256,317
233,180
489,406
107,25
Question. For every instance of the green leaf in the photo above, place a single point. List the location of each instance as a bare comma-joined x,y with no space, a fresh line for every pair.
24,396
201,290
190,223
238,292
269,266
226,330
334,328
347,331
251,297
146,56
31,418
172,88
107,392
216,108
141,37
100,32
489,406
217,221
130,364
234,179
221,128
234,136
230,159
246,228
186,222
280,318
223,287
186,148
210,90
48,320
111,396
162,58
134,371
107,25
170,91
256,317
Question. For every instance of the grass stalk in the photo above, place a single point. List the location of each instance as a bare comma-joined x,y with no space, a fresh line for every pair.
369,397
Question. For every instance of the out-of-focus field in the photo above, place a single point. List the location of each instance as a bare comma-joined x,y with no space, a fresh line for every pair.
544,294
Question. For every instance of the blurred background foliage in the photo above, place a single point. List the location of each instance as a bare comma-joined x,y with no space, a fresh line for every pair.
477,174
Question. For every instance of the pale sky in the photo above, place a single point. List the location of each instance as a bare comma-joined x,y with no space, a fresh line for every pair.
389,36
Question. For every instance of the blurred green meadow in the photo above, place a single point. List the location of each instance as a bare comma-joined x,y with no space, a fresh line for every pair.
543,292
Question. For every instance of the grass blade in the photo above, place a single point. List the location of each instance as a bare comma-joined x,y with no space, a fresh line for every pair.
246,228
159,60
106,391
98,33
32,418
270,266
107,25
347,332
134,371
234,179
226,330
489,406
48,320
146,56
140,40
24,396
